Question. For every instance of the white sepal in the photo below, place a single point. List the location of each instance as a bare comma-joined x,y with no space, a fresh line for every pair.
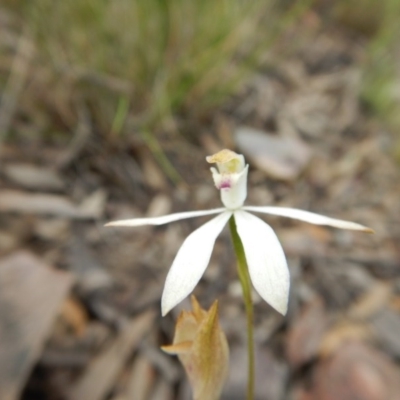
310,217
191,261
265,258
165,219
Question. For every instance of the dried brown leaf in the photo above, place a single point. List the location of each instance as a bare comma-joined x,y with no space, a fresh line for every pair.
31,294
304,337
356,372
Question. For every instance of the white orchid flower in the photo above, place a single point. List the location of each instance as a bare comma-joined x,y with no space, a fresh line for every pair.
264,254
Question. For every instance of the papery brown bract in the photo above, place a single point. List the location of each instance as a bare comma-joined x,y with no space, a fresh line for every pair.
202,348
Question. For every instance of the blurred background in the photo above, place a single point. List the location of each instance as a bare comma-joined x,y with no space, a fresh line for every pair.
107,111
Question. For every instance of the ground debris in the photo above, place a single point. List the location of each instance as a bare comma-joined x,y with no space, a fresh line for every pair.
16,201
304,338
141,379
355,371
31,295
100,375
31,176
280,157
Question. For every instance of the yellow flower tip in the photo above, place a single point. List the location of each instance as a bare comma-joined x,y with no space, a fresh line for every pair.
228,162
213,313
222,157
197,312
194,301
362,228
176,349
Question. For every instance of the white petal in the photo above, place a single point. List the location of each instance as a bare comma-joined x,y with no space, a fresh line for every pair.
265,258
165,219
310,217
191,261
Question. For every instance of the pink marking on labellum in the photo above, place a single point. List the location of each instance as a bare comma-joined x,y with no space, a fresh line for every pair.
225,184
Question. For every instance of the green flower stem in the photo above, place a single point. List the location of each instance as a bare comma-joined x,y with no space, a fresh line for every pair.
244,277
